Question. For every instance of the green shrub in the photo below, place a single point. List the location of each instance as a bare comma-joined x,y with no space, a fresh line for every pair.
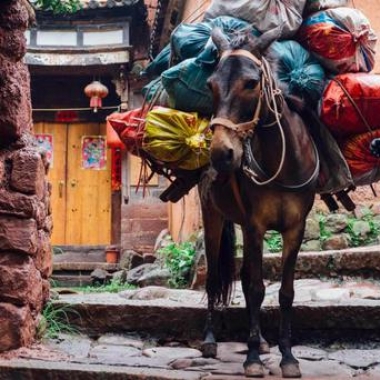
178,259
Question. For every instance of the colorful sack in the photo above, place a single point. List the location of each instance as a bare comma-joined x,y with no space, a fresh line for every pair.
340,114
178,138
130,127
189,40
364,166
264,15
299,70
186,85
159,64
320,5
341,38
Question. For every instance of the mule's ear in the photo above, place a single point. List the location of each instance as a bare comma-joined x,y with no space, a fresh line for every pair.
220,39
268,37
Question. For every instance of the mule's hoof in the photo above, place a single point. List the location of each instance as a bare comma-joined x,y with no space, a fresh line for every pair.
291,370
264,348
254,370
209,350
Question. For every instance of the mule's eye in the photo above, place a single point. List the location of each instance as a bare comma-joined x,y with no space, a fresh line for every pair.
250,84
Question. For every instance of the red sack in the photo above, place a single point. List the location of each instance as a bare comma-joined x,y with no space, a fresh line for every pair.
113,139
364,166
341,39
130,127
338,111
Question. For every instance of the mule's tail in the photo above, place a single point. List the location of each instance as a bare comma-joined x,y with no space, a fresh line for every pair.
226,262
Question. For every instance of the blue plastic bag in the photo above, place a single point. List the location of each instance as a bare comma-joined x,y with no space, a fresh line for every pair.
186,85
299,70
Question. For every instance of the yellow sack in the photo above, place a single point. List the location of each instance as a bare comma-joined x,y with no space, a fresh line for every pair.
179,138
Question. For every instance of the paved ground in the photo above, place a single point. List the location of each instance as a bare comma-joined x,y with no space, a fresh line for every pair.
133,356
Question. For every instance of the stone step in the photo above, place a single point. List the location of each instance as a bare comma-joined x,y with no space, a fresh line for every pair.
77,274
183,318
78,253
38,370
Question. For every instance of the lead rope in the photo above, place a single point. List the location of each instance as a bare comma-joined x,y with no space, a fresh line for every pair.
270,94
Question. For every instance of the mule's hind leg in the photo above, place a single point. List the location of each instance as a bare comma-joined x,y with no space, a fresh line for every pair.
254,291
292,243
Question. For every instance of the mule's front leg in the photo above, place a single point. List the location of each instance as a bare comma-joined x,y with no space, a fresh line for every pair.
254,291
213,229
292,242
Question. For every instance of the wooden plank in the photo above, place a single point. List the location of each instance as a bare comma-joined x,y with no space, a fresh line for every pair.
89,191
57,177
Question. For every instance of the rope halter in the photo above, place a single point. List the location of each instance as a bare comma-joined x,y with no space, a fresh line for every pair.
244,130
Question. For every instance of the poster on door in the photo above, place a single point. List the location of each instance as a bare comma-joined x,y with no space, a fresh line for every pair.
44,142
94,152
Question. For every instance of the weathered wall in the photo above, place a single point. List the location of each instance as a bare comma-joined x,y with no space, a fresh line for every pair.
25,221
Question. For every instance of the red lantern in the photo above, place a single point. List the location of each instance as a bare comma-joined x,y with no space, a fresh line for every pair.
96,91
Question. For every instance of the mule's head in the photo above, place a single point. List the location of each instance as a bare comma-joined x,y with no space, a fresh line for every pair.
236,85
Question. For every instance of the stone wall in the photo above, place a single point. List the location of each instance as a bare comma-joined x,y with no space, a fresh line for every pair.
25,220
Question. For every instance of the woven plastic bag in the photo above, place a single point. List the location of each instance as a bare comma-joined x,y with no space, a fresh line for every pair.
299,70
189,40
186,85
178,138
159,64
341,38
320,5
347,100
264,15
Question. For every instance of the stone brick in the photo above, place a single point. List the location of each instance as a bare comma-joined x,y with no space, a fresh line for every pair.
20,281
28,173
15,106
18,235
44,258
13,15
139,241
149,208
45,291
12,44
17,327
2,170
20,205
47,224
155,225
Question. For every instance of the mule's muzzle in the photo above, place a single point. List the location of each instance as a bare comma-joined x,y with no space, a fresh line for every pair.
222,160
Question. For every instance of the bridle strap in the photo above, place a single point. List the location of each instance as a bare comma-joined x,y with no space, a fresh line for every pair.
240,53
244,130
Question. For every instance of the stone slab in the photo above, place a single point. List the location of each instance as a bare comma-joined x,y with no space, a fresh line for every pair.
102,313
37,370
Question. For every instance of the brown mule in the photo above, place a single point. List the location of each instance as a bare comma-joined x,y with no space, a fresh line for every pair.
263,173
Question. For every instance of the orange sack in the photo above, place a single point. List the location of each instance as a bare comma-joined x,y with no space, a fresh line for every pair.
357,152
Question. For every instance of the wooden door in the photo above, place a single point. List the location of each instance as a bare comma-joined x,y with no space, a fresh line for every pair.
81,193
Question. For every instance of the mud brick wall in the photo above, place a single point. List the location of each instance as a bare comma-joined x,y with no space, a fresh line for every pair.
25,220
